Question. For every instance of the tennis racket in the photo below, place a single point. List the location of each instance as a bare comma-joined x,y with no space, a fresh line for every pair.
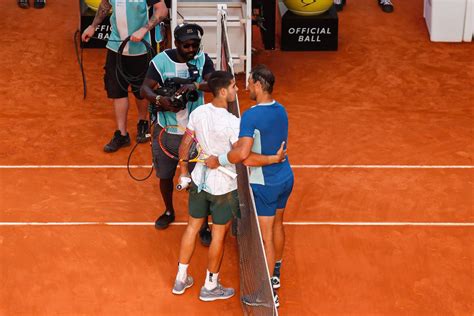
168,140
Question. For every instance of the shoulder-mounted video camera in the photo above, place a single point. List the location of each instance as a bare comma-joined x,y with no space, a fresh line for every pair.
172,85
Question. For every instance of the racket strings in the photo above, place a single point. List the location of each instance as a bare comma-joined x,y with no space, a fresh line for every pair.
170,144
194,151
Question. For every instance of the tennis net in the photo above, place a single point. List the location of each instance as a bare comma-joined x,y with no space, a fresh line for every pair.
256,292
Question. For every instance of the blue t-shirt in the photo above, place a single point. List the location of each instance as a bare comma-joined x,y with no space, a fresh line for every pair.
267,123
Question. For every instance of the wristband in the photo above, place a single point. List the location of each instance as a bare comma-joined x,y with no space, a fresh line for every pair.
223,161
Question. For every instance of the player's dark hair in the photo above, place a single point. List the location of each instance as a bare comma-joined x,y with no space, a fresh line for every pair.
218,80
262,74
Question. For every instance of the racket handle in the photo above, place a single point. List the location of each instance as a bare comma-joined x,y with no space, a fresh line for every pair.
183,183
231,174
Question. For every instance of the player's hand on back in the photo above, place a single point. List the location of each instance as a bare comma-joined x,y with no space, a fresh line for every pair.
212,162
281,153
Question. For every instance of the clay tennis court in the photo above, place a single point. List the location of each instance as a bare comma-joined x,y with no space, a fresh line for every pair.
380,222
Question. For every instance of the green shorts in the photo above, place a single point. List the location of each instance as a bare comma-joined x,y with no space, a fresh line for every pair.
221,207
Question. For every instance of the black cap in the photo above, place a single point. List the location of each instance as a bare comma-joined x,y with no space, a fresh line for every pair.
187,31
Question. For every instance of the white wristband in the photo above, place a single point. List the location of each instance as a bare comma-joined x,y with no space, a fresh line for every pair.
223,160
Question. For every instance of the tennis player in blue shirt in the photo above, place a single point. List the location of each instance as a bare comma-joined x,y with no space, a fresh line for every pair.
263,129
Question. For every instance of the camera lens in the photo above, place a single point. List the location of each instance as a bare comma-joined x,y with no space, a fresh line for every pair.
192,96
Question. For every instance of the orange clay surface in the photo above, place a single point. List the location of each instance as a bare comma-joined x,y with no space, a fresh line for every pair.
389,96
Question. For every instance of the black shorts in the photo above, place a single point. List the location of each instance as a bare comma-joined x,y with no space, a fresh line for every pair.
115,84
164,165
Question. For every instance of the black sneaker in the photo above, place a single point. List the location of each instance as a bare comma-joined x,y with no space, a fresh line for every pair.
142,130
205,236
117,142
39,4
24,4
386,5
164,220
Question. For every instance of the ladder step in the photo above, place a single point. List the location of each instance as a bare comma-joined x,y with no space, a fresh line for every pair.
229,24
210,18
197,5
236,59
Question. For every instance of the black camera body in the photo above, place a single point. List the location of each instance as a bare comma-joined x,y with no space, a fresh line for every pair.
172,85
179,101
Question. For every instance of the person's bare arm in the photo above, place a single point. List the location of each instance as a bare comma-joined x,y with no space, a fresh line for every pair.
258,160
102,12
184,146
203,86
160,13
240,151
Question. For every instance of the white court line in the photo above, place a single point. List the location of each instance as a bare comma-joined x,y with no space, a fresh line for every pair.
381,167
427,224
293,166
73,166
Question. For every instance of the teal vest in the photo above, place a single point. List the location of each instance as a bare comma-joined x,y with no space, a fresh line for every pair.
127,17
167,68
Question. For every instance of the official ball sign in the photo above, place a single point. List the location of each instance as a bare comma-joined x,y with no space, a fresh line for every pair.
310,34
318,32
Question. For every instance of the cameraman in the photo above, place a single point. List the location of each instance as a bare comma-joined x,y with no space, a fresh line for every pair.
185,61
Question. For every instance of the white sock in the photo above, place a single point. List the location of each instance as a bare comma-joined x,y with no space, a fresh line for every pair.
182,272
211,280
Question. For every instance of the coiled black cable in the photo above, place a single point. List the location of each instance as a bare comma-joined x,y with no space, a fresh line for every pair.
77,35
120,71
130,79
130,158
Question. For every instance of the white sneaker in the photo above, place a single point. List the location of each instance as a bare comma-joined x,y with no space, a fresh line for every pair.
217,293
180,287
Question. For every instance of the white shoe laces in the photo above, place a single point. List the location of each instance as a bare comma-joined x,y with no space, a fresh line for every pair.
385,2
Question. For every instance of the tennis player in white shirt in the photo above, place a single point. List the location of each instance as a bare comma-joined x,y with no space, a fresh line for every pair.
212,192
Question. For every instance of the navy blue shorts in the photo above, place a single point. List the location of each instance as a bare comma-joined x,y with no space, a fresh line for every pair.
269,198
